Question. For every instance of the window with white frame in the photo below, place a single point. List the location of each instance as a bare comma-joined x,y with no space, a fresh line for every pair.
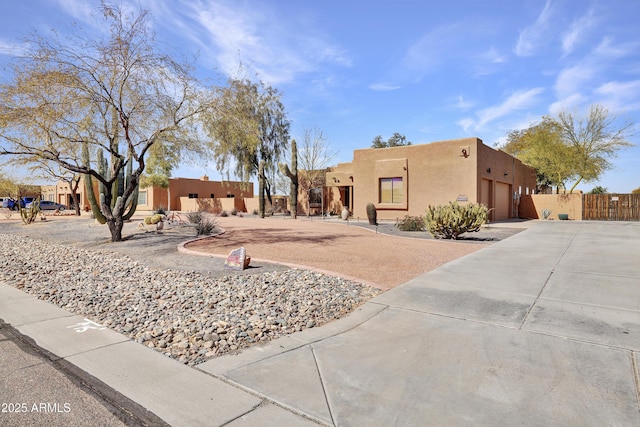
142,198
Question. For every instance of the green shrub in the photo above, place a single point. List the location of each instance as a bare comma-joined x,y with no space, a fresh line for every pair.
411,223
234,211
256,212
452,220
160,210
372,214
224,214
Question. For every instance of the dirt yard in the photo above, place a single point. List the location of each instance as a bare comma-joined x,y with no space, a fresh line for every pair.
382,260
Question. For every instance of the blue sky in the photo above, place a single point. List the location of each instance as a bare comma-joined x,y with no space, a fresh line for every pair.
431,70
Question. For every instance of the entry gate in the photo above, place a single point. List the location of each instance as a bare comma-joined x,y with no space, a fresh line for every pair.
611,207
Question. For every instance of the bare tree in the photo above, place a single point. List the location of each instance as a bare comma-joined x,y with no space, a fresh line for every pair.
53,170
314,156
116,95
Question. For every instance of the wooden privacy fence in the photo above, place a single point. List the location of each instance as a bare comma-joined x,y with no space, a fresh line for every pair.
611,207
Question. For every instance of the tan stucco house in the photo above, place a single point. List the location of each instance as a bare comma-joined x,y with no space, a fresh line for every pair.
405,180
183,194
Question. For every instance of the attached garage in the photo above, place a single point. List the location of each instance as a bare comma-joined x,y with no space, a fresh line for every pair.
503,201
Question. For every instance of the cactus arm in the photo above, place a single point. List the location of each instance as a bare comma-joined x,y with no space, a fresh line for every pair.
292,174
88,187
261,201
132,200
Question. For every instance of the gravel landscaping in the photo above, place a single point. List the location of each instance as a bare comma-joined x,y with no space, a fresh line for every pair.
189,307
186,315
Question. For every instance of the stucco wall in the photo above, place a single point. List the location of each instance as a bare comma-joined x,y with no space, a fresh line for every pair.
215,205
434,174
532,206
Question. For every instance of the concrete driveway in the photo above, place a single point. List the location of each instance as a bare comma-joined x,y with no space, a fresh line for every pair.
540,329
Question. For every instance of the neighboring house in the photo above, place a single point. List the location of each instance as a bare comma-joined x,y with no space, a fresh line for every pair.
405,180
189,194
183,194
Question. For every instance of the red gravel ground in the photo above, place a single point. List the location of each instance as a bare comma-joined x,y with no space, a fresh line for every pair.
382,260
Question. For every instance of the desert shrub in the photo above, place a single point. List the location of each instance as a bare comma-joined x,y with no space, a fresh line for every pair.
452,220
160,210
224,214
256,212
195,217
153,219
234,211
206,226
411,223
204,223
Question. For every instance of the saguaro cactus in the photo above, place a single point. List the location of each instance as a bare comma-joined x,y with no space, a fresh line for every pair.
29,214
261,201
293,176
117,187
372,214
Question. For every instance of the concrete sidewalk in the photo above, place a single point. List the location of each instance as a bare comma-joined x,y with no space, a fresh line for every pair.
542,328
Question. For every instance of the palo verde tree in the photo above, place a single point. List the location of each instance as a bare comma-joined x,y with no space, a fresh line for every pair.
249,125
114,95
541,146
595,138
571,147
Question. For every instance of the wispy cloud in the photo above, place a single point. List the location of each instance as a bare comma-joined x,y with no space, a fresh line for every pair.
569,102
575,84
620,96
428,52
81,11
517,101
11,48
229,33
461,104
493,56
572,79
610,50
489,62
383,87
536,34
578,27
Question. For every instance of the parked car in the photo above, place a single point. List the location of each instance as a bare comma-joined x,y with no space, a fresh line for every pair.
26,200
46,205
10,203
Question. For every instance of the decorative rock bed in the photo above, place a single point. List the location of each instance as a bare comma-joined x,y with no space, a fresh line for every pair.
185,315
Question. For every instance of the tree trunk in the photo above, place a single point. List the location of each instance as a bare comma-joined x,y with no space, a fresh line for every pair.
575,185
76,205
115,227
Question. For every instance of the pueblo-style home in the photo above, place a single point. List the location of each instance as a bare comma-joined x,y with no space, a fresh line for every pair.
405,180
